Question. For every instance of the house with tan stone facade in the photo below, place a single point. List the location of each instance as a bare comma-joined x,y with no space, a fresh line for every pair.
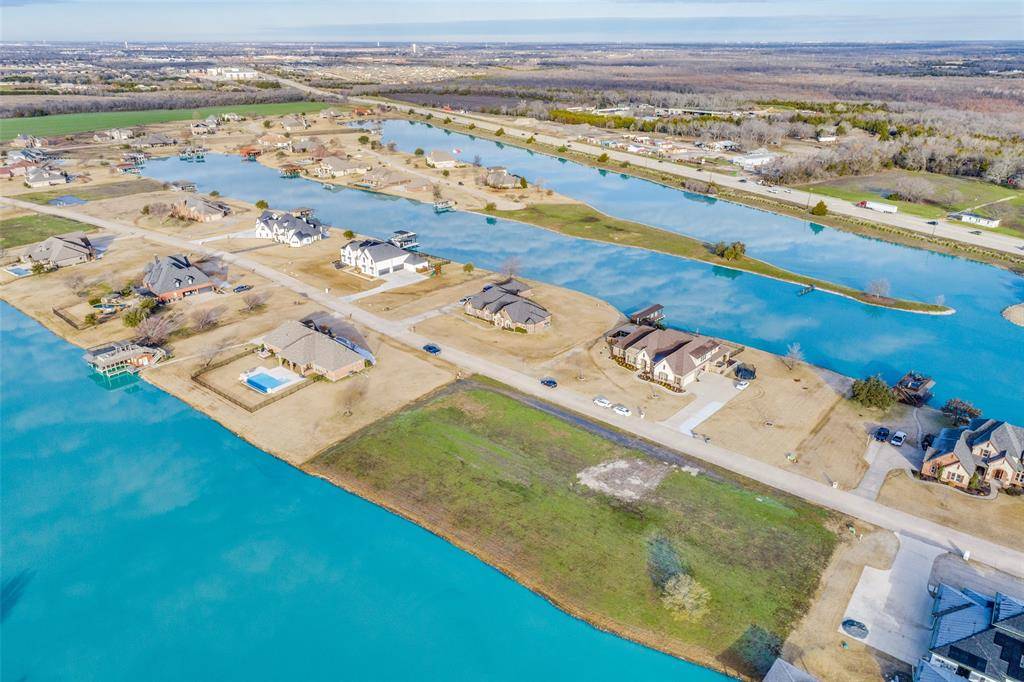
986,448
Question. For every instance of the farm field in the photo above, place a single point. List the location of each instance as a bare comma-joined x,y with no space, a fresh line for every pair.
29,229
65,124
947,194
499,476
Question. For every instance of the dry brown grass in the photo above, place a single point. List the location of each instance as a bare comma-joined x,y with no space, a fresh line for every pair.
997,520
428,294
815,644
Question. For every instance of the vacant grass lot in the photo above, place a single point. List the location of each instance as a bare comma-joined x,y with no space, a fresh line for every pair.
952,194
65,124
109,190
581,220
499,478
30,229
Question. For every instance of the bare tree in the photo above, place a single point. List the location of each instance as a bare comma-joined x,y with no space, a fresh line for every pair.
207,318
353,395
511,266
437,192
794,355
879,288
210,353
156,329
255,300
74,283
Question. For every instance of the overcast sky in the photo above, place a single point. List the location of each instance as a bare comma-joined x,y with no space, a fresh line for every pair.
514,20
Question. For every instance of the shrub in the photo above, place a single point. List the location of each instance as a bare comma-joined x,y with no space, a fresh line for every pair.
363,139
819,209
214,193
603,158
531,139
490,206
468,268
446,173
91,319
262,204
563,149
472,126
419,151
499,132
522,183
145,209
734,251
267,124
873,392
95,300
960,411
663,561
686,598
349,234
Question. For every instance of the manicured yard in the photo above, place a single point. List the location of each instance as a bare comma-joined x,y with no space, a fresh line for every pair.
952,194
35,228
65,124
95,192
499,478
581,220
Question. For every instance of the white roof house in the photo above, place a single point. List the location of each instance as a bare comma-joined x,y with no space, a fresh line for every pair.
755,159
289,229
441,159
975,219
336,167
44,177
376,258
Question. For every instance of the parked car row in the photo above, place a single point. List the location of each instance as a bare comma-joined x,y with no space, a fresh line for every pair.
617,408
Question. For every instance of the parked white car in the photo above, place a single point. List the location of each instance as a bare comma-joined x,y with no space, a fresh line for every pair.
621,410
601,401
742,385
898,438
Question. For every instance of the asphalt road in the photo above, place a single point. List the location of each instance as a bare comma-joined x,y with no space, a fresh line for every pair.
1003,558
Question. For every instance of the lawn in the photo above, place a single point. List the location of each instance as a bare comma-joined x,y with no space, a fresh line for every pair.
499,478
65,124
34,228
581,220
952,194
110,190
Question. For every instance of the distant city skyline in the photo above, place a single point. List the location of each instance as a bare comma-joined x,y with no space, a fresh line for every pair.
661,21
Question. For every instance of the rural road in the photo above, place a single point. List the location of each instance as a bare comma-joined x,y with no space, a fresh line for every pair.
1010,560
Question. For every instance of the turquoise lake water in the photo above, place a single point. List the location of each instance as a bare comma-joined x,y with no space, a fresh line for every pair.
975,354
143,541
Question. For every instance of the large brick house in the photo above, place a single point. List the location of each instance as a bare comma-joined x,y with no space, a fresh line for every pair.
988,448
504,305
668,356
170,278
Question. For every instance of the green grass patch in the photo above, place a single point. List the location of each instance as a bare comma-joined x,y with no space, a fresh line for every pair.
96,192
949,193
30,229
581,220
66,124
500,476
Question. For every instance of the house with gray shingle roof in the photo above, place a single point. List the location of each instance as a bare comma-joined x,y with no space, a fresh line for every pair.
974,636
170,278
61,250
377,258
286,228
307,351
200,209
503,305
991,449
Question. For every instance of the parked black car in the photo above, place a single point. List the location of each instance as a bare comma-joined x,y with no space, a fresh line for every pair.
432,349
242,287
927,441
882,434
549,382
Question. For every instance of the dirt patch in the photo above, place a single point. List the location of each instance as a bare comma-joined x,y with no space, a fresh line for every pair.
629,480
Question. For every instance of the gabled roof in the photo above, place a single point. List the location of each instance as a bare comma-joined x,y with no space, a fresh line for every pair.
170,273
439,155
1007,439
295,342
61,247
983,633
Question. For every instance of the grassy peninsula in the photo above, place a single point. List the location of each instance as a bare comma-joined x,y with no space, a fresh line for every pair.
581,220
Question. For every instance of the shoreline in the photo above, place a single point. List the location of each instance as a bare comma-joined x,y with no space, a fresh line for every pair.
649,641
832,288
995,258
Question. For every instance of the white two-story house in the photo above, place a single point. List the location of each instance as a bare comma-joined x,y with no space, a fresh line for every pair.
376,258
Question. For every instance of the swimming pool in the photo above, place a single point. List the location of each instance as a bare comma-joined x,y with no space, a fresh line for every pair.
264,383
18,271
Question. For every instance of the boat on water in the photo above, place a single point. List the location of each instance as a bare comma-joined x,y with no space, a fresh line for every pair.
444,205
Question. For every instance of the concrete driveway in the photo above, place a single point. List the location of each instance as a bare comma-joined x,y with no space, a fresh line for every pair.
393,280
895,604
713,391
883,458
